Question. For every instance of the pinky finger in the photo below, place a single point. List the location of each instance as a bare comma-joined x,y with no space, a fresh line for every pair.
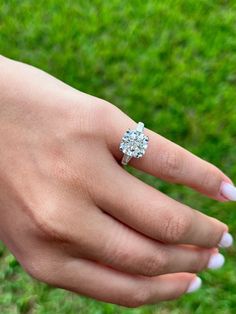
108,285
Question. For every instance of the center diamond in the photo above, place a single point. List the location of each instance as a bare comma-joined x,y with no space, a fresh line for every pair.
134,143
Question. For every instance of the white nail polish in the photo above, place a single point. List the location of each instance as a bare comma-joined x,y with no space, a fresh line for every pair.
228,191
226,240
195,284
216,261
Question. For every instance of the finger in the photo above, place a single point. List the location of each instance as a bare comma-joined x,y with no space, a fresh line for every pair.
114,244
167,160
153,213
105,284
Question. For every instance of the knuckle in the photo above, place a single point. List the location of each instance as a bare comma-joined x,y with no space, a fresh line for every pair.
150,265
154,265
116,249
40,269
91,118
102,114
49,225
121,258
138,297
43,268
171,164
176,227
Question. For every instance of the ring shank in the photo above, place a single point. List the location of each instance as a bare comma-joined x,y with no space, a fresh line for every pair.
125,159
140,127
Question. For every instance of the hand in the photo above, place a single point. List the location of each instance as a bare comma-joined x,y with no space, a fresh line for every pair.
74,218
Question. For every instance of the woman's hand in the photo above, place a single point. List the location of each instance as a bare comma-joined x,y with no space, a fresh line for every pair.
76,219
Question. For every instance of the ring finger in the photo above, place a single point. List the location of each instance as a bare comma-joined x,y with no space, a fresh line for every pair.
152,213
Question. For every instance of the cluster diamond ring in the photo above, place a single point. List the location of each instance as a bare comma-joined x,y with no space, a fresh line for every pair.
133,143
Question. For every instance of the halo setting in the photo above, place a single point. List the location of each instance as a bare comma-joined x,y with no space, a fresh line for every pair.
134,143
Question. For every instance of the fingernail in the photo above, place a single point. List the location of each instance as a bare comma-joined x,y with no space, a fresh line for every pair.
195,284
216,261
226,240
228,191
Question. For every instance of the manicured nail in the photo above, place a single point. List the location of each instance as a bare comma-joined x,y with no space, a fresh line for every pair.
228,191
226,240
216,261
195,284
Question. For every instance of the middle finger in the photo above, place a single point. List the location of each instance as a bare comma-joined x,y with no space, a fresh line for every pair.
114,244
154,214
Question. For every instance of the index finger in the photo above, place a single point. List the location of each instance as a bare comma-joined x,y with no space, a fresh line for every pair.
171,162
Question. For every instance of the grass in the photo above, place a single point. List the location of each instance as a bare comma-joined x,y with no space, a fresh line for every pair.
169,63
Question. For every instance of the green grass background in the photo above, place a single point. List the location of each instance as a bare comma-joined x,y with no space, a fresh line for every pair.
171,64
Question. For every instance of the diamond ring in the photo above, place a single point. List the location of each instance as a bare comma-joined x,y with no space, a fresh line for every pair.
133,144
